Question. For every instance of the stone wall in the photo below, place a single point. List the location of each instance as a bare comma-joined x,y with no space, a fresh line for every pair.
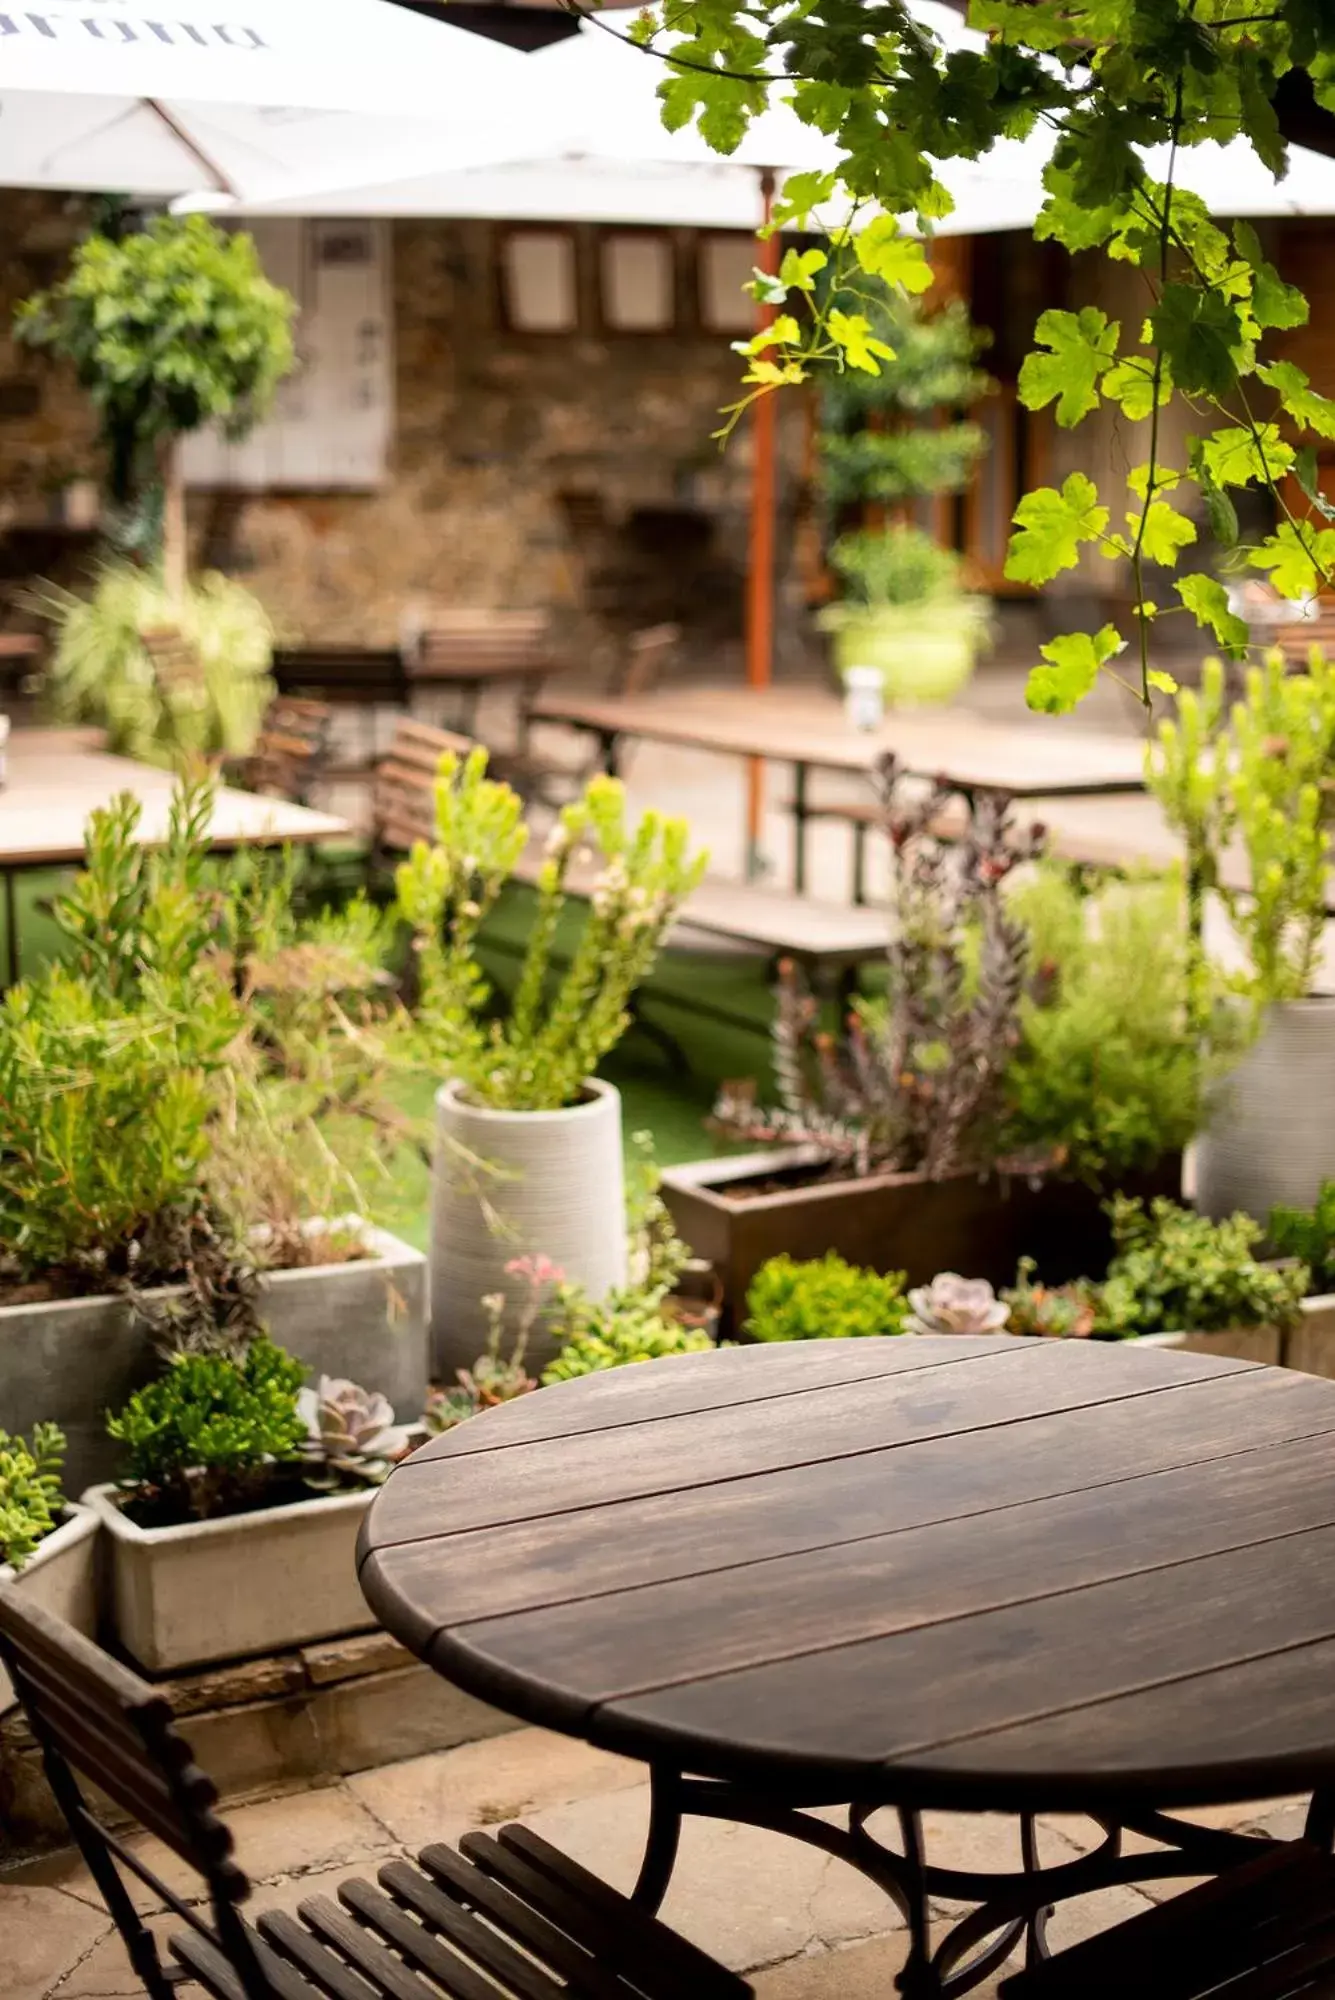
571,471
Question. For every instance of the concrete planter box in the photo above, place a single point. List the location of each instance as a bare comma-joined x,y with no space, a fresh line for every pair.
1308,1347
71,1361
889,1222
61,1576
1270,1140
222,1590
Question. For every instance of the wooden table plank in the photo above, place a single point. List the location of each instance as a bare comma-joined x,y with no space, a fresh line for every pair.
561,1558
55,782
804,726
995,1667
688,1384
443,1496
659,1635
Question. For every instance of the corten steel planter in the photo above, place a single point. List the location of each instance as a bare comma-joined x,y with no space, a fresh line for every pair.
70,1361
244,1584
891,1222
1272,1138
62,1576
558,1191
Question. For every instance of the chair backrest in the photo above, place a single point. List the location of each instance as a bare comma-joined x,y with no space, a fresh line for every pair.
94,1719
177,666
646,655
403,795
290,749
1296,641
462,642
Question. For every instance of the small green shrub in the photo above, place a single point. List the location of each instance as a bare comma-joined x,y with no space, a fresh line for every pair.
612,1337
1049,1312
213,1435
1309,1235
895,566
1176,1270
824,1299
30,1491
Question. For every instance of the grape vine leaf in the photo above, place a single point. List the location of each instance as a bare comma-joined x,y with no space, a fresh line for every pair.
884,252
1207,600
1051,526
1200,333
1070,669
1082,347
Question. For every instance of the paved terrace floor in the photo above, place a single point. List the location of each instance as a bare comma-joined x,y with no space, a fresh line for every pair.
800,1924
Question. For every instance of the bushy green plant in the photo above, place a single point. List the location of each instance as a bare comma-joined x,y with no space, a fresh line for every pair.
30,1491
613,1336
824,1298
103,669
1257,777
1176,1270
168,328
894,566
558,1028
1309,1235
1107,1076
212,1434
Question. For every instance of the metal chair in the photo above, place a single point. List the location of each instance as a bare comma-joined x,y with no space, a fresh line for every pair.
509,1916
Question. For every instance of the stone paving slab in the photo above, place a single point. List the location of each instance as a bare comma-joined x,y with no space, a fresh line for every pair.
797,1922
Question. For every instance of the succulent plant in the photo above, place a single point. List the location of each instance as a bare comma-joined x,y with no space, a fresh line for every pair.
351,1432
1052,1312
951,1304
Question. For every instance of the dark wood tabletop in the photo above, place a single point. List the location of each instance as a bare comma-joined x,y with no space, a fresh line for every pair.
986,1573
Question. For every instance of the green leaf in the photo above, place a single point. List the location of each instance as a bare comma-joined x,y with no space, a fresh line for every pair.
852,333
1201,334
1273,302
1299,562
1236,455
1303,403
1081,348
1130,384
799,268
1307,470
1165,534
1072,668
1207,600
1161,682
1051,528
884,252
800,195
1220,512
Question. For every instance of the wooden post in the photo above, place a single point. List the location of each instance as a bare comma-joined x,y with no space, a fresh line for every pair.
175,553
760,571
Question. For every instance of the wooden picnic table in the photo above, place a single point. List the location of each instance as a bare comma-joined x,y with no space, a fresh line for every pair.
981,1574
802,727
57,777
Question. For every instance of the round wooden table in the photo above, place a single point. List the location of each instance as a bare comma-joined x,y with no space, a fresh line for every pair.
984,1574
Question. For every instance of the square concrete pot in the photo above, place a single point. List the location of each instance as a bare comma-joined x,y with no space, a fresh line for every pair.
71,1361
1309,1346
62,1576
247,1583
738,1212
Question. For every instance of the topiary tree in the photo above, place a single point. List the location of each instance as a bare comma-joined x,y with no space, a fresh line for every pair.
169,328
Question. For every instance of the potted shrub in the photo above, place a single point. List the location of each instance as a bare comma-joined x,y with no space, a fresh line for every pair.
48,1549
234,1528
1250,784
529,1156
175,1103
931,1139
890,443
823,1298
904,611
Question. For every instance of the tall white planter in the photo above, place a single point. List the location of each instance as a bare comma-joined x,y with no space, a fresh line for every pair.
1272,1138
559,1193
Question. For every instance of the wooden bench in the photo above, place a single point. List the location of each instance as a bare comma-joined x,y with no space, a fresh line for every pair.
1261,1931
504,1916
542,781
470,650
403,792
291,752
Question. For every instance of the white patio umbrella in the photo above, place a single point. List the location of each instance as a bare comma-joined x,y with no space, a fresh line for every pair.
258,101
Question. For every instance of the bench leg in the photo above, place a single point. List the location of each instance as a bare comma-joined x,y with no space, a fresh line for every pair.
859,864
12,928
800,818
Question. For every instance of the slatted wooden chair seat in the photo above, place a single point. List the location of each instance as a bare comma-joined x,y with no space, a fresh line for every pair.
1296,641
509,1918
291,752
1263,1931
403,794
541,779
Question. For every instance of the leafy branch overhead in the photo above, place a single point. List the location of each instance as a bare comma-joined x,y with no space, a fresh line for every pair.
1114,83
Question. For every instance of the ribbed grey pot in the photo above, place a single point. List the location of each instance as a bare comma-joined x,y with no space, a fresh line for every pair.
1272,1138
559,1193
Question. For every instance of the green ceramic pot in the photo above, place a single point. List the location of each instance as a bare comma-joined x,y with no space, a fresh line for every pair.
926,652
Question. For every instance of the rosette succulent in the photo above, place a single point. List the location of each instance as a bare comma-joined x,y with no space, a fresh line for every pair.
951,1304
350,1433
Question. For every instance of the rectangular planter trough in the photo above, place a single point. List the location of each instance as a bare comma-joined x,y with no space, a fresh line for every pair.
978,1226
1308,1347
248,1583
70,1361
61,1576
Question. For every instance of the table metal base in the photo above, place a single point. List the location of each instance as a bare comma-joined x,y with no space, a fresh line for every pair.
1011,1908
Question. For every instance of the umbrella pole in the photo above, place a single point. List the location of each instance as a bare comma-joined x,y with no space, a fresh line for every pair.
760,567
